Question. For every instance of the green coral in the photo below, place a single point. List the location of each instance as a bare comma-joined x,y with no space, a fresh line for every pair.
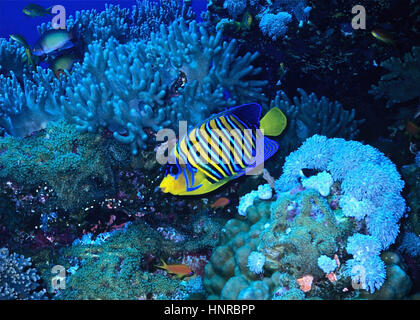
291,232
402,83
294,245
117,268
65,160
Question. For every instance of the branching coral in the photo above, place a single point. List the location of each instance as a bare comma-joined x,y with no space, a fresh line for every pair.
124,24
27,107
17,279
402,83
307,115
11,54
126,86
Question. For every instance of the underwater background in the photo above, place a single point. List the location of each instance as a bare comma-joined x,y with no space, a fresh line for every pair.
87,210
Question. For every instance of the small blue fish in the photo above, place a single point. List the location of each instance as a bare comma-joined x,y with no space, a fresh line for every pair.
34,10
53,40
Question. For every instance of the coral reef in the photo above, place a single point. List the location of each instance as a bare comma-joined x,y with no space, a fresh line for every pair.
126,87
307,115
402,83
119,265
355,213
28,107
17,279
123,24
275,25
71,164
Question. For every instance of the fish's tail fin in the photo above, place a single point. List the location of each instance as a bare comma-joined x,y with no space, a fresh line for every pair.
274,122
163,266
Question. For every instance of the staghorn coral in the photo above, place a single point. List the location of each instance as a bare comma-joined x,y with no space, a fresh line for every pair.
123,24
307,115
28,105
402,83
17,279
125,86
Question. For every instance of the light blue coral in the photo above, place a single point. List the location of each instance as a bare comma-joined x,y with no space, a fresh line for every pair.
29,106
256,262
327,264
125,87
18,280
321,182
235,7
275,25
370,190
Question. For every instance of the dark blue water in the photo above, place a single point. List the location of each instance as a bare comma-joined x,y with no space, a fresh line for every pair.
13,20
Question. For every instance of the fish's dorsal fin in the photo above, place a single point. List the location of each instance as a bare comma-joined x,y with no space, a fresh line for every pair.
249,113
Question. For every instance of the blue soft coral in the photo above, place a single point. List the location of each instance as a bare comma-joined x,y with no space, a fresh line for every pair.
371,193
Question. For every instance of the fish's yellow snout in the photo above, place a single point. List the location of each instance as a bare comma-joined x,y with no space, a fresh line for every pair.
170,185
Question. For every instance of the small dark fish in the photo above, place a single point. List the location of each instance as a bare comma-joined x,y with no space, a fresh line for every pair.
63,63
20,39
53,40
34,10
383,36
247,20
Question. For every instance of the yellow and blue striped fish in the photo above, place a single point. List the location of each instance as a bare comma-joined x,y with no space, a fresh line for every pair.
222,148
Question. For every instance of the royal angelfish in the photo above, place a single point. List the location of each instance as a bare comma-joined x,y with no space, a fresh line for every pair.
222,148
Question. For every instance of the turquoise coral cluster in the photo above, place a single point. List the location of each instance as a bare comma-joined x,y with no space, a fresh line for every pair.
17,279
353,205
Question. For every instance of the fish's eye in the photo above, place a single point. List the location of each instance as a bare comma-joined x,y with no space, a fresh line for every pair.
173,169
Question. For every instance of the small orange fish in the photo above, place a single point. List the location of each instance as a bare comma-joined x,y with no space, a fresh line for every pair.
220,203
180,270
383,36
